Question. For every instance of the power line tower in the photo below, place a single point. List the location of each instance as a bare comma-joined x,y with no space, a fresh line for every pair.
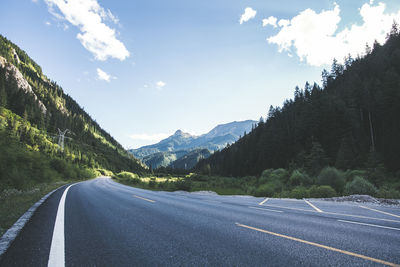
61,136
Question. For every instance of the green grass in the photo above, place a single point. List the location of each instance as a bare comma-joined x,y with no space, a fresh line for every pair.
14,203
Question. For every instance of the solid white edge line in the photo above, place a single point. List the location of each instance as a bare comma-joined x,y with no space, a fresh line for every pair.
57,248
264,209
262,202
383,212
9,236
311,205
373,225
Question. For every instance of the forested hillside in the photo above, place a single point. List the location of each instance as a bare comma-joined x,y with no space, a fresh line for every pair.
32,109
351,121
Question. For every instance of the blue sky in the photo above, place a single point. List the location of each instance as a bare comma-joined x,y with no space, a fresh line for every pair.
143,69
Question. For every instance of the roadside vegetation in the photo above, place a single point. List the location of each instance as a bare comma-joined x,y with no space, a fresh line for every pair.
27,175
279,183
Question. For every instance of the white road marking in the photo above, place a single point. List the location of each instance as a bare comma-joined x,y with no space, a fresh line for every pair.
373,225
262,202
387,213
333,213
146,199
264,209
314,207
57,249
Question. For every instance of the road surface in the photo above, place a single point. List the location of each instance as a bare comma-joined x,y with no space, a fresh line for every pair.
103,223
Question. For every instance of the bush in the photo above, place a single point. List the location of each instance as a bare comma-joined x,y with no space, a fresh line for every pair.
183,184
299,178
299,192
270,175
389,193
350,174
105,172
332,177
322,191
360,186
152,182
269,189
127,177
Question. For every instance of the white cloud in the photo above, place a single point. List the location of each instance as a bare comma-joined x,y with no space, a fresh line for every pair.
248,14
160,84
48,23
102,75
89,17
149,137
283,22
315,38
270,21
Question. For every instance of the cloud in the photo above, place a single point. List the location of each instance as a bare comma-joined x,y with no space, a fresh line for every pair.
270,21
160,84
316,39
248,14
102,75
149,137
90,18
48,23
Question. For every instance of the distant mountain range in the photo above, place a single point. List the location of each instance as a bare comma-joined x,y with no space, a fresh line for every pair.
189,149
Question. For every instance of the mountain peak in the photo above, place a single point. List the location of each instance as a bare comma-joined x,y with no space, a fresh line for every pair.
178,132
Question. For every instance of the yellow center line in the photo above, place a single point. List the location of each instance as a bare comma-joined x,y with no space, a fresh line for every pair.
149,200
262,202
312,206
333,213
384,212
320,245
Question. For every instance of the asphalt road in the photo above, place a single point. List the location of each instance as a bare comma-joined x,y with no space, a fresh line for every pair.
109,224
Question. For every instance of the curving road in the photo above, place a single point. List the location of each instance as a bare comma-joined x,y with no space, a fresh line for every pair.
103,223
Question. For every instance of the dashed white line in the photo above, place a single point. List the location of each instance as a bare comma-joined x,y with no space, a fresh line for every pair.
383,212
146,199
264,209
334,213
262,202
314,207
368,224
57,249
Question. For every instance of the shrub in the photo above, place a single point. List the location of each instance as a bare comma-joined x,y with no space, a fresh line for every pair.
332,177
322,191
127,177
360,186
269,189
299,178
105,172
350,174
387,192
270,175
251,190
152,182
183,184
299,192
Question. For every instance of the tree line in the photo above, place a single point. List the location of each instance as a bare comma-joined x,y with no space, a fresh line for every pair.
351,121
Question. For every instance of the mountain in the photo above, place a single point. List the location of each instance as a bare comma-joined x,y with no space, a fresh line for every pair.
179,144
163,159
350,122
189,160
33,109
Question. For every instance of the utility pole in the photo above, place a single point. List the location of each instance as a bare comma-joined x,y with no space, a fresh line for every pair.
61,136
